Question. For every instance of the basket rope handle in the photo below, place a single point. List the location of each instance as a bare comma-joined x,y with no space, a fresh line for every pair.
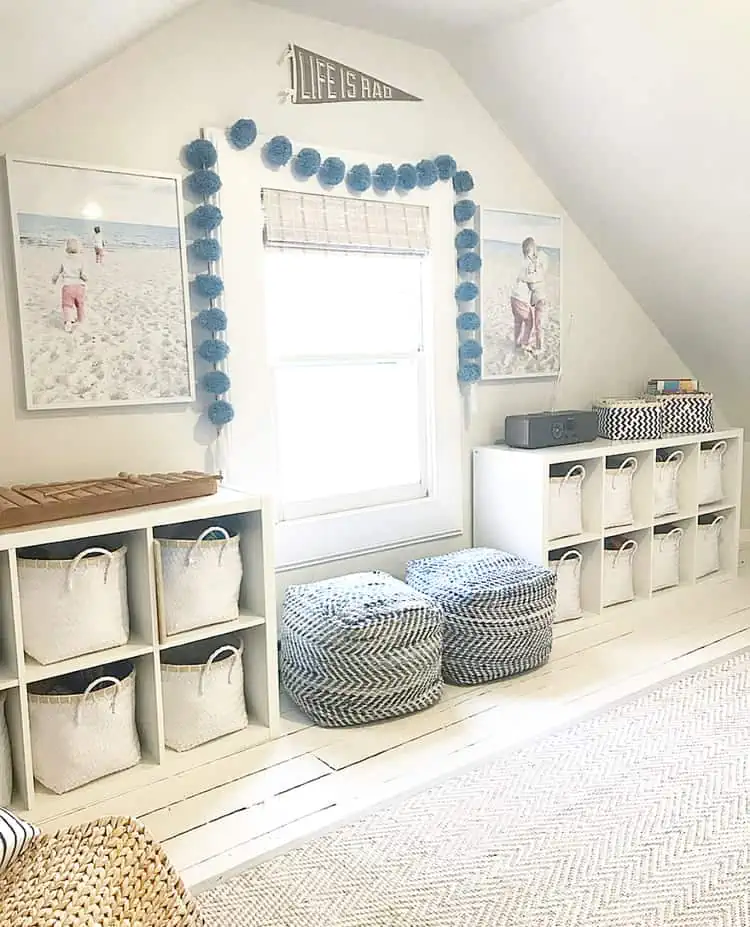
629,464
675,532
679,457
630,546
84,553
89,689
717,523
578,470
202,536
571,555
719,449
227,648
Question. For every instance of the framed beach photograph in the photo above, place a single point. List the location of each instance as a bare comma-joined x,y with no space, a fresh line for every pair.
102,286
520,294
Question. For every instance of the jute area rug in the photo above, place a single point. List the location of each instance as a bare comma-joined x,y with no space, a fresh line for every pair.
636,817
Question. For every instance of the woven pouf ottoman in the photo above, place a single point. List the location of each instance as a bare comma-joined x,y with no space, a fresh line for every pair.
498,612
360,648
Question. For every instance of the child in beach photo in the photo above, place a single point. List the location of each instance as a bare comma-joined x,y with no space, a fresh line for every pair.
98,244
73,276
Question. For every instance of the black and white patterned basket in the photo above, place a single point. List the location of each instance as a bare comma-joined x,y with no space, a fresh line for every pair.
687,413
629,419
498,609
360,648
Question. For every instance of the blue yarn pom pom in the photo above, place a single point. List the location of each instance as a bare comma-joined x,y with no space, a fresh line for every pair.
446,166
206,217
359,178
209,285
213,350
213,319
332,172
466,292
220,412
406,178
469,350
427,173
200,153
216,382
206,249
469,263
469,373
468,321
307,163
204,183
466,238
463,182
243,133
464,210
384,178
278,151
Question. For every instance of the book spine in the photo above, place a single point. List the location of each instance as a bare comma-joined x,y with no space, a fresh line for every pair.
657,387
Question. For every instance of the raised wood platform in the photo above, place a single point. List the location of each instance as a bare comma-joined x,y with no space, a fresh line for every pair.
22,506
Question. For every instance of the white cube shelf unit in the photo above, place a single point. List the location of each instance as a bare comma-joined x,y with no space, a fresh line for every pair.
252,518
511,503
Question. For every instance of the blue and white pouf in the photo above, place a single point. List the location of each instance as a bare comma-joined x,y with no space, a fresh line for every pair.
498,612
360,648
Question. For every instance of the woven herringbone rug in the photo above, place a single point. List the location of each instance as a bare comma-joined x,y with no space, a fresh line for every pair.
636,817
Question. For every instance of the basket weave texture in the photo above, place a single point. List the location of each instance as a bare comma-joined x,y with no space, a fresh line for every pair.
109,873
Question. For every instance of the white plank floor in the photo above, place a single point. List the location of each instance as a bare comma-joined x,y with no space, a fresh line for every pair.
219,819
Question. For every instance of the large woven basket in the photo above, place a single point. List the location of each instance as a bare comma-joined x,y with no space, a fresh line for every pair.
108,873
204,692
198,580
6,762
73,606
76,738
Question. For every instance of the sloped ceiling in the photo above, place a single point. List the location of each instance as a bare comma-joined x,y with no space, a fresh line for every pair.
45,44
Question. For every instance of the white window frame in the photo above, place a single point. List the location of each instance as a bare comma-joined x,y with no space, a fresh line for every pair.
370,527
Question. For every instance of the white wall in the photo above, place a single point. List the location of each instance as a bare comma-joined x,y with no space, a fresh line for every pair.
216,62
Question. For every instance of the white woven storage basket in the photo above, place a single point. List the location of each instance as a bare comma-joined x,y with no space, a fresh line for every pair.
76,738
708,547
6,762
667,484
618,493
567,569
617,574
565,503
711,473
665,559
203,689
198,580
72,607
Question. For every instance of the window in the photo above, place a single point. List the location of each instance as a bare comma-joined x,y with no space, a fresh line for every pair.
361,351
346,282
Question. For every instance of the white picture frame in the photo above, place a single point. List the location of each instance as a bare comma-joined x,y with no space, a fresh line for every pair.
521,339
109,324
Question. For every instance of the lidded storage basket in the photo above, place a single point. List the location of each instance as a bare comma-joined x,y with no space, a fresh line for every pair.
567,569
6,763
83,726
665,558
618,492
198,578
667,482
687,413
73,605
617,570
203,689
629,419
708,545
711,473
565,500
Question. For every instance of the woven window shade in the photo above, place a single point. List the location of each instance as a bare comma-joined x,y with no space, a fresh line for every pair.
313,220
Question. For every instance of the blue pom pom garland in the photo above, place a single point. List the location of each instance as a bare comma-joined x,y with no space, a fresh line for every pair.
468,321
466,292
216,382
307,163
446,166
220,413
332,172
277,151
469,263
463,182
406,178
243,133
469,373
206,249
464,211
213,350
206,217
359,178
384,178
466,238
200,154
469,350
427,173
213,319
209,285
204,183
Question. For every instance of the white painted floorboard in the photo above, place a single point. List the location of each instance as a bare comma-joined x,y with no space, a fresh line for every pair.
221,818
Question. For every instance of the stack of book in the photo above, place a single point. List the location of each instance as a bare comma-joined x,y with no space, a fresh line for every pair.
670,387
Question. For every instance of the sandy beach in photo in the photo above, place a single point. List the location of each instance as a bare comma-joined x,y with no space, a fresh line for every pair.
132,343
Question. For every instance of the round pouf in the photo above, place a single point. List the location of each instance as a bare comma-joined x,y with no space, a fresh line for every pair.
498,612
360,648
